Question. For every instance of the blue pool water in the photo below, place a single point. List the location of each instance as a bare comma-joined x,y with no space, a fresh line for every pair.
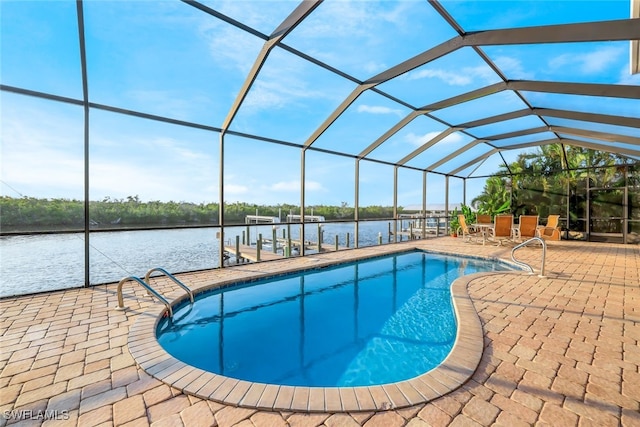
370,322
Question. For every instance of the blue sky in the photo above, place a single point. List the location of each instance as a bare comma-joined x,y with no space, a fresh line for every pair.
167,58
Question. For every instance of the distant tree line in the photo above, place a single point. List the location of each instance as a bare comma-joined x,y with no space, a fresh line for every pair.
30,214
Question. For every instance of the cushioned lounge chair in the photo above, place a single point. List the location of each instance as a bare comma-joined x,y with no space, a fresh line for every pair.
502,230
527,227
552,230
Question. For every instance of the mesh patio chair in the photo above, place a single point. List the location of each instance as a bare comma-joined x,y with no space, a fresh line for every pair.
484,219
502,230
527,227
467,232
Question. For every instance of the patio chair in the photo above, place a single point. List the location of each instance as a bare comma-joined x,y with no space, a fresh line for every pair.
552,230
484,219
502,231
467,232
527,227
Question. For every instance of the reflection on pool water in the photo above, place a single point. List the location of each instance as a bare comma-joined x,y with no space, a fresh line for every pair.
369,322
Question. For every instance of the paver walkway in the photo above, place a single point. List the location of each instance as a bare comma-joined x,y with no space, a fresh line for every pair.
561,350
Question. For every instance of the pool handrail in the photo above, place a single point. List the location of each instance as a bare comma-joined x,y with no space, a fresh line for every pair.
524,264
144,285
147,277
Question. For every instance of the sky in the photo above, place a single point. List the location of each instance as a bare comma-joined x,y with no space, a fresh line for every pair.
169,59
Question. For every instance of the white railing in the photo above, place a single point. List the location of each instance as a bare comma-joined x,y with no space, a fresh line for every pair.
524,264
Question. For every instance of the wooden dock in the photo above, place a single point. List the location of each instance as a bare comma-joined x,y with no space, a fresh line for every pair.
416,233
313,246
250,253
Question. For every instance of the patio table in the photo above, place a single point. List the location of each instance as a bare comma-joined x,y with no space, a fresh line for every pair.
484,227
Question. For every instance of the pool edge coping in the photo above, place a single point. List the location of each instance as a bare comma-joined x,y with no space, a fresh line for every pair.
454,371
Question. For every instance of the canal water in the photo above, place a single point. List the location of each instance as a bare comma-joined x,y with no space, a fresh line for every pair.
45,262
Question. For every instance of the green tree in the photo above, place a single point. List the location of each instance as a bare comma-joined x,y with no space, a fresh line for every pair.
540,179
495,197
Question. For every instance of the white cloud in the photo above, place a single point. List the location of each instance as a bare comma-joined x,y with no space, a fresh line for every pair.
174,149
462,77
285,186
230,47
235,189
168,103
150,181
626,78
42,154
367,25
294,186
313,186
588,63
273,93
483,72
419,140
373,67
452,79
377,109
286,81
340,19
255,14
512,68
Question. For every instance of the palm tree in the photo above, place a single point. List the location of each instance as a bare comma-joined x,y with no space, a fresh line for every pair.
495,197
540,179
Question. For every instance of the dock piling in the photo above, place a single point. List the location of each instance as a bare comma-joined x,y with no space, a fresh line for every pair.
274,241
258,247
238,249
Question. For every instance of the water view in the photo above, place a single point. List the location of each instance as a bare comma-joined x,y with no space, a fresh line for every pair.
45,262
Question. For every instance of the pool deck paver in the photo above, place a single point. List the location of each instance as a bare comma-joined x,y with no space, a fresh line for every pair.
561,350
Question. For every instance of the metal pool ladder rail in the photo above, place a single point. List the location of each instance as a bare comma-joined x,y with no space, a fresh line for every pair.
524,264
170,276
146,284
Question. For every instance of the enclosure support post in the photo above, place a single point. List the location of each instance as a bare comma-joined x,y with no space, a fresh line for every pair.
302,190
221,200
625,206
588,223
566,236
464,191
356,215
446,202
395,204
424,204
85,106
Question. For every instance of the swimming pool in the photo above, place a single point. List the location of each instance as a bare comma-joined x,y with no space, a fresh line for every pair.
370,322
